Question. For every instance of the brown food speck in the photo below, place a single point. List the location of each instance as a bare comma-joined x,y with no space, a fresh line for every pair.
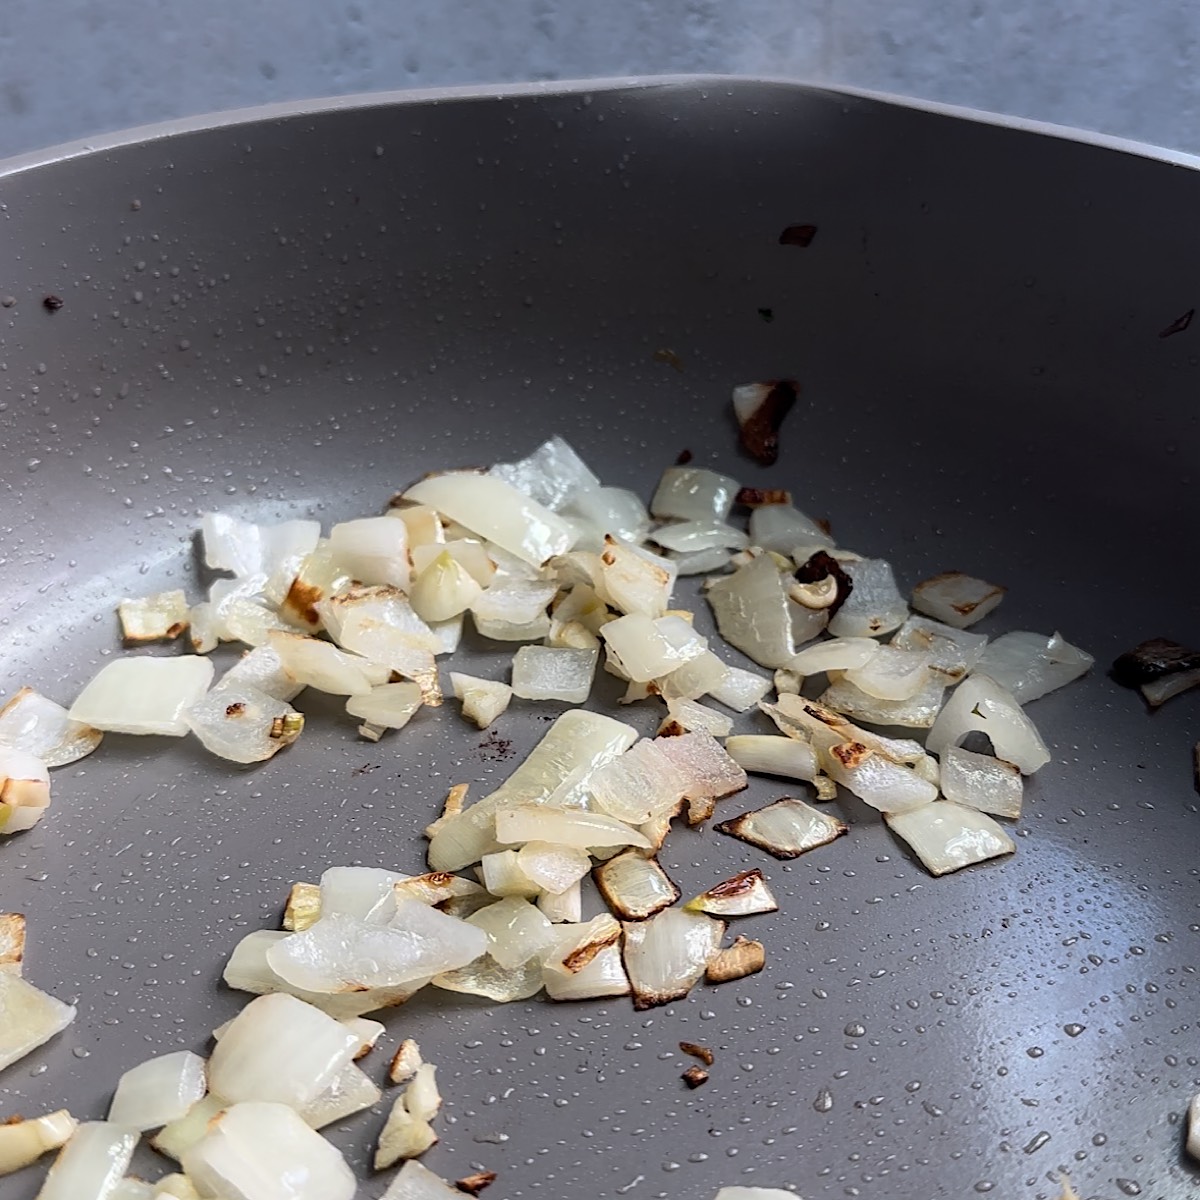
1152,660
365,768
302,600
15,1119
820,566
752,497
851,754
798,235
1178,325
495,748
767,314
695,1077
703,1053
759,433
474,1184
580,957
235,710
52,303
669,357
683,458
671,728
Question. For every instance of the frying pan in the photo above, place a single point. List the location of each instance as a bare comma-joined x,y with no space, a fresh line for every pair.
296,310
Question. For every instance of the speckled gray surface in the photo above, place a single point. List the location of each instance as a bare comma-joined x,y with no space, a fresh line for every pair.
83,66
299,315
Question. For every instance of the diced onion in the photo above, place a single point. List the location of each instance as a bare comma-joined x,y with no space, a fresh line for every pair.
31,1017
391,704
35,725
23,1142
1031,665
888,786
158,1091
635,887
648,648
744,957
956,599
980,705
349,1093
690,716
551,867
144,695
319,665
782,528
635,581
535,823
547,673
770,754
754,614
91,1163
239,723
24,790
692,537
415,1182
160,617
919,711
952,652
981,782
693,494
666,954
444,589
553,475
786,829
743,895
174,1139
372,550
947,836
610,510
837,654
874,606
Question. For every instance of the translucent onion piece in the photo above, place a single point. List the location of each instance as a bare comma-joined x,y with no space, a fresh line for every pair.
666,954
633,580
693,494
449,634
439,888
810,721
552,475
917,712
367,1032
634,887
781,528
567,906
415,1182
470,553
498,512
578,743
743,895
239,723
787,681
690,537
546,673
649,648
365,893
405,1062
611,510
407,1132
341,954
708,771
281,1050
143,695
538,823
203,631
28,1018
516,931
444,589
740,689
12,943
262,668
744,957
160,617
23,1142
320,665
875,605
754,1193
982,782
513,610
888,786
770,754
786,829
981,705
262,1151
391,704
180,1135
349,1093
1031,665
947,836
483,700
572,635
130,1188
553,868
303,906
956,599
158,1091
952,652
231,544
586,963
891,673
1159,691
239,612
372,550
318,578
694,678
838,654
485,977
690,716
701,562
754,614
502,875
91,1164
175,1187
424,526
24,790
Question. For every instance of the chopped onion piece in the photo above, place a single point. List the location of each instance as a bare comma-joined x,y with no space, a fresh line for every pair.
513,610
787,681
281,1050
701,562
486,977
635,887
303,906
770,754
423,523
981,705
886,785
415,1182
982,782
956,599
131,1188
566,906
203,631
502,875
349,1093
754,614
874,606
810,721
693,494
952,652
692,679
538,823
666,954
551,867
261,668
754,1193
743,895
24,790
175,1187
405,1062
367,1032
691,537
1159,691
689,716
483,700
516,931
264,1151
181,1135
838,654
633,580
343,954
786,829
586,962
1031,665
158,1091
444,589
553,474
365,893
610,510
744,957
947,836
144,695
12,943
547,673
239,723
32,723
439,888
647,649
781,528
23,1142
91,1164
28,1018
469,553
391,705
919,711
740,689
318,578
372,550
320,665
708,771
498,512
639,783
156,618
891,673
407,1132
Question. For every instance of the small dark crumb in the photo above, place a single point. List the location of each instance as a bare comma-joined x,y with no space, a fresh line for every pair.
669,357
752,497
670,728
683,458
52,303
798,235
767,314
820,566
1152,660
1178,325
703,1053
235,710
365,769
474,1184
495,748
759,432
695,1077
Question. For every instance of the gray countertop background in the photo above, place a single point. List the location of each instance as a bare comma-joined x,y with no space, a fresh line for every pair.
78,67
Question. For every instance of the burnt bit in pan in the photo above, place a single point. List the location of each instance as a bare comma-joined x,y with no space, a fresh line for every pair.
1153,659
798,235
1178,325
760,409
822,566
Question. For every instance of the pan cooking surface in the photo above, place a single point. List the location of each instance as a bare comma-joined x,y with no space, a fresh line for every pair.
298,315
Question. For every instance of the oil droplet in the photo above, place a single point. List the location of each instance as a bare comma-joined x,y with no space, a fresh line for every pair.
932,1109
80,1052
1036,1142
824,1101
1130,1187
854,1030
984,1185
1073,1030
1035,1052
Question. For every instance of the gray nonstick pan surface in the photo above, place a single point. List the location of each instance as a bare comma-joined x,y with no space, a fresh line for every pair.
297,311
